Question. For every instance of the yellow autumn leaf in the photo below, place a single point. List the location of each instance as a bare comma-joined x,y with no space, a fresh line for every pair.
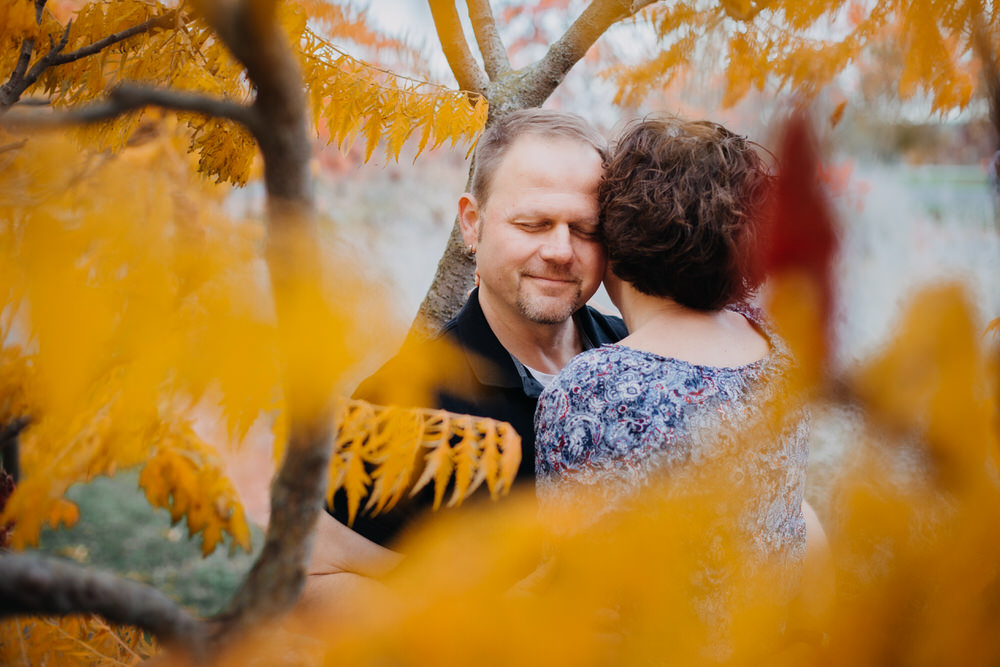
396,464
993,328
932,380
63,513
18,19
438,465
465,456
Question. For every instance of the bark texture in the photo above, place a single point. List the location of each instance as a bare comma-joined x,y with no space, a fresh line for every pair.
46,586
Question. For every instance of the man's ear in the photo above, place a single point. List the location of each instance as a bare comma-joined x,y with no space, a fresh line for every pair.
469,219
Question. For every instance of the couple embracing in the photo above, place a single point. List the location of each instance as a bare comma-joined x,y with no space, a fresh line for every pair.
668,219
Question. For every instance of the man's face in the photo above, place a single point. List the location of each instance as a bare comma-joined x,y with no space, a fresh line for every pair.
537,252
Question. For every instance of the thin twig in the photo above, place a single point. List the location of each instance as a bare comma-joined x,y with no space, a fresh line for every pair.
87,646
56,57
45,61
326,44
161,21
100,621
985,51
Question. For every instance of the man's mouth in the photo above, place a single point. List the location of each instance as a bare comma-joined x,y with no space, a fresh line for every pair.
554,280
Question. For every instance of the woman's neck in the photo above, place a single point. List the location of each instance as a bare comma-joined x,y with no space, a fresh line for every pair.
640,310
712,338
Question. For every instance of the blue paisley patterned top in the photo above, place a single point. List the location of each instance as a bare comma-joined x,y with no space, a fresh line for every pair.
616,418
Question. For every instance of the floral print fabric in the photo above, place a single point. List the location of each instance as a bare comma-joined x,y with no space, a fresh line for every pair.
617,419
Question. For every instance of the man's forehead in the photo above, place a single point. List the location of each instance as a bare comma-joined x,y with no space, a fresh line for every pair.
552,142
542,157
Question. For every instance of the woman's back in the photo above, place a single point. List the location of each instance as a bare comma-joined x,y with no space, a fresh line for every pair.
618,419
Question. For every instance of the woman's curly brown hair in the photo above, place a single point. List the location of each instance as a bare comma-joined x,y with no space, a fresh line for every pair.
681,205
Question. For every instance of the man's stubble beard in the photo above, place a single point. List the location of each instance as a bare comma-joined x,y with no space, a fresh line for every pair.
534,312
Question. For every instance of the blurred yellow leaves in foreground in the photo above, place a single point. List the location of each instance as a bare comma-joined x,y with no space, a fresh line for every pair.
128,304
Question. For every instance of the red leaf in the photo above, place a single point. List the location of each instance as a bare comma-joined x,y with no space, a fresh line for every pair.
799,236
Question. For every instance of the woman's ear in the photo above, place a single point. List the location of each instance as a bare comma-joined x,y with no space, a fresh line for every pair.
469,219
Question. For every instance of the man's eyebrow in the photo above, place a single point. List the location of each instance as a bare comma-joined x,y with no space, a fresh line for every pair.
590,224
546,214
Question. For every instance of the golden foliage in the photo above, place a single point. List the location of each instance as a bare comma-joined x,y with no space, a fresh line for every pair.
377,454
18,19
916,534
785,42
122,302
907,544
946,400
183,476
351,99
133,306
77,640
96,322
348,97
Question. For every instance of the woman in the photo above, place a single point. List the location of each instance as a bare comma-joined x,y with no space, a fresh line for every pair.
681,203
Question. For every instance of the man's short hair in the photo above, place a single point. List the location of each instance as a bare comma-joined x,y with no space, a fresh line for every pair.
681,205
502,134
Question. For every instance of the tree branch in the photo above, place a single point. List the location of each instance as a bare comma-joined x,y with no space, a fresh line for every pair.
277,119
544,76
126,98
463,65
23,60
488,38
47,586
56,57
11,91
275,582
161,21
250,31
44,62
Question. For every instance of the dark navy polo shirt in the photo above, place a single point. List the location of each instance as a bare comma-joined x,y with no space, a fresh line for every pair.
487,382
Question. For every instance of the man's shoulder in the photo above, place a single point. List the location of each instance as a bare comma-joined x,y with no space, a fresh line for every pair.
413,375
599,327
423,366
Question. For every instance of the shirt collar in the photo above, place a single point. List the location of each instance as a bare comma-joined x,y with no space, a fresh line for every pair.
491,362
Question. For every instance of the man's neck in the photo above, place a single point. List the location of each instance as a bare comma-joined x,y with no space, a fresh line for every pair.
544,347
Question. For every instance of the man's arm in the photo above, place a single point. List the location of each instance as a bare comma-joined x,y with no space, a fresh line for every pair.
343,565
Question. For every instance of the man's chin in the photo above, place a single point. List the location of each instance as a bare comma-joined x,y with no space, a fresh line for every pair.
548,310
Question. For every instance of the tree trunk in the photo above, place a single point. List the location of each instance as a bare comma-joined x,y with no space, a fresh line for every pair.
454,278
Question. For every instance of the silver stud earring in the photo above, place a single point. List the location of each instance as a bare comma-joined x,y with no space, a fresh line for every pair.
472,249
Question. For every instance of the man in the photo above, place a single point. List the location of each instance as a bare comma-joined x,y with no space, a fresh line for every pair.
531,220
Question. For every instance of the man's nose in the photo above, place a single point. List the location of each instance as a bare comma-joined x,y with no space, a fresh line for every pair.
557,246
